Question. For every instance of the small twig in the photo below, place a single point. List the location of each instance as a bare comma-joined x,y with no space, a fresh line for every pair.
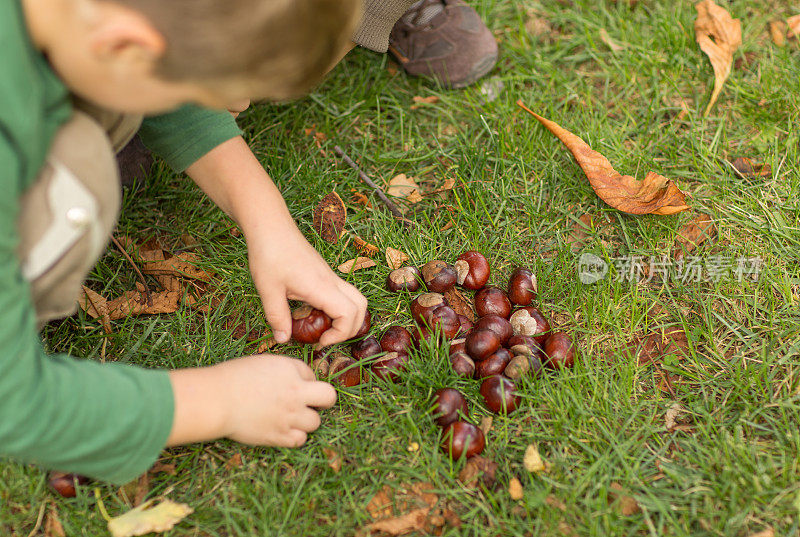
364,177
38,520
139,272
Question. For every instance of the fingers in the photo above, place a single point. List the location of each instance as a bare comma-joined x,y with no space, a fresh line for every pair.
276,309
295,438
347,309
320,395
307,420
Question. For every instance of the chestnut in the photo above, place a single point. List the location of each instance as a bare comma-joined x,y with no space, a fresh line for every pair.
388,366
522,365
462,438
480,344
404,279
396,339
449,405
465,325
529,321
365,326
424,303
495,364
500,394
64,484
444,319
522,287
345,371
420,334
439,276
473,270
559,350
365,348
458,345
491,300
308,324
525,345
321,367
496,324
462,364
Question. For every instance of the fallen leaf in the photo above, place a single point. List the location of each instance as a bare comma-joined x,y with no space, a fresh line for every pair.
402,186
180,265
577,238
267,345
768,532
52,524
693,234
538,26
748,169
141,490
334,459
777,31
552,501
627,504
133,303
478,472
169,283
412,521
793,23
329,217
610,43
365,247
380,505
419,101
515,489
654,195
655,345
395,258
460,303
532,461
151,255
96,306
671,416
358,263
167,468
234,462
360,198
148,518
403,509
719,36
486,425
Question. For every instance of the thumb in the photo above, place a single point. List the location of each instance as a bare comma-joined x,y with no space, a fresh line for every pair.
276,309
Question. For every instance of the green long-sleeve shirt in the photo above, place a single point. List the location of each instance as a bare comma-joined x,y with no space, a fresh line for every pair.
107,421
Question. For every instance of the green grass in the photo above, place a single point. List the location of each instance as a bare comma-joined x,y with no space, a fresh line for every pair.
733,472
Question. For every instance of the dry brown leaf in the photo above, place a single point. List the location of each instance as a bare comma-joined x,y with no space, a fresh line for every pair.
532,461
414,520
148,518
671,416
330,215
538,26
358,263
793,23
402,186
777,31
654,195
478,472
627,504
151,255
693,234
610,43
395,258
515,489
486,425
360,198
404,509
577,238
165,467
94,304
180,265
719,35
334,459
768,532
419,101
365,247
552,501
52,524
266,345
234,462
135,303
748,169
657,344
380,506
460,303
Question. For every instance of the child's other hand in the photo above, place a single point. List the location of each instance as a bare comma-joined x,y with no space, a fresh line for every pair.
285,266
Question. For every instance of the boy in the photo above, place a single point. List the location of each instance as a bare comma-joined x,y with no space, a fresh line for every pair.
61,196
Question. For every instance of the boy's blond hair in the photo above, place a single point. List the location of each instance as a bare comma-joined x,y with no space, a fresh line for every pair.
276,49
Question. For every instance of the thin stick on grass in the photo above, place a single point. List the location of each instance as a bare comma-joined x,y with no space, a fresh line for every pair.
139,272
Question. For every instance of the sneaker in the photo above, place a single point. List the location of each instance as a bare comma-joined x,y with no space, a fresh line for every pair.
445,40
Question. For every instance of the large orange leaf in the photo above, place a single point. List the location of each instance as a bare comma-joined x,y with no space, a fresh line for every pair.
719,35
654,195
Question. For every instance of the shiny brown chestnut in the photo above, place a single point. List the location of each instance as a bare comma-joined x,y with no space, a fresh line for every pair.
496,324
321,367
500,394
308,324
480,344
522,365
389,366
396,339
420,335
404,279
345,371
439,276
523,345
495,364
365,349
64,484
449,405
522,287
529,321
424,303
491,300
365,326
462,364
473,270
465,325
462,438
444,319
559,350
458,345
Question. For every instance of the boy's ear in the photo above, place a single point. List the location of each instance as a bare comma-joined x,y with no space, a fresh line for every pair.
123,34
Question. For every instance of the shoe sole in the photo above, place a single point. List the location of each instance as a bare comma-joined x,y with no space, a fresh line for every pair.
480,69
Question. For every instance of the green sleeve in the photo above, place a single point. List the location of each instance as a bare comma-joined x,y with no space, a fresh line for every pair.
108,421
183,136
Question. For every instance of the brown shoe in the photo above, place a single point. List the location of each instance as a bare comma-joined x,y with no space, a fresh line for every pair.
134,161
445,40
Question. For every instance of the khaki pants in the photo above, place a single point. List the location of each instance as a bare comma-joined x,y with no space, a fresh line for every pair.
68,213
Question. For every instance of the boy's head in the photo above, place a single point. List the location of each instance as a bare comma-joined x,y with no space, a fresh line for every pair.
149,56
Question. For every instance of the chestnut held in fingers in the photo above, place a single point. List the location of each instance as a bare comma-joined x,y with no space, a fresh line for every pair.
522,287
365,348
388,366
404,279
308,324
396,339
449,405
481,343
473,270
529,321
465,325
462,438
444,319
458,345
345,371
491,300
495,364
559,350
500,394
462,364
365,326
424,303
64,484
498,325
439,276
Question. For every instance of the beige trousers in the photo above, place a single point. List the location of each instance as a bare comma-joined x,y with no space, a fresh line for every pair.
68,213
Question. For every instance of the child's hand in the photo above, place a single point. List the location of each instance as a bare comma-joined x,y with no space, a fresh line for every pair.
262,400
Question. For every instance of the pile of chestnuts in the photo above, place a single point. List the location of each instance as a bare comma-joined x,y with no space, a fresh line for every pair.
509,339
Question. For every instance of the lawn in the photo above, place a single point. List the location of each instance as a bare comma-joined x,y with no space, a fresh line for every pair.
725,349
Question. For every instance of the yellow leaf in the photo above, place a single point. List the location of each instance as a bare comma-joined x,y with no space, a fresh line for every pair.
402,186
515,489
395,258
719,36
148,518
794,26
610,42
358,263
533,461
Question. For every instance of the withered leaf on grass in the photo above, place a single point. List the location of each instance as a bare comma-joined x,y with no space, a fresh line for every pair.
793,23
180,265
148,518
358,263
329,217
672,416
748,169
605,38
515,489
533,461
136,303
700,229
627,504
419,101
334,459
651,348
478,472
402,186
366,248
460,303
579,235
395,258
719,35
777,31
52,524
403,509
654,195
